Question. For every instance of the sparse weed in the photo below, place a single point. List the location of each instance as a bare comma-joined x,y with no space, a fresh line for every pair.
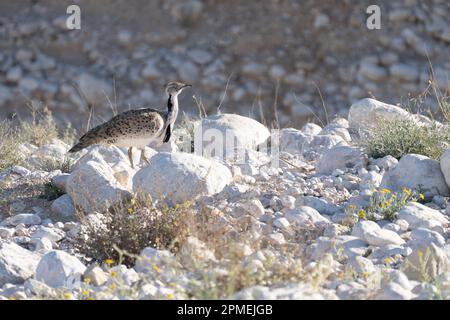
404,136
132,226
383,204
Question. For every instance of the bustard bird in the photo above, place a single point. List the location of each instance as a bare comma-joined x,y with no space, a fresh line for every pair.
136,128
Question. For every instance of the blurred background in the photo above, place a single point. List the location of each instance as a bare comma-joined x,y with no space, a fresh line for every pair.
286,60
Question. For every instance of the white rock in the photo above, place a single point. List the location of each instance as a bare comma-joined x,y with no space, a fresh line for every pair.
371,232
417,215
394,291
321,143
424,237
364,226
93,187
349,246
340,157
288,201
305,216
194,253
42,245
64,208
247,132
445,166
320,204
371,181
59,269
366,113
60,181
383,237
55,149
414,171
311,128
294,141
27,219
281,223
6,233
361,265
150,257
16,263
52,234
181,177
386,163
253,207
96,275
38,288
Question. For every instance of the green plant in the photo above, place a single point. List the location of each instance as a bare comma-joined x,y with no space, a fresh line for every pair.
403,136
51,192
9,145
383,204
132,226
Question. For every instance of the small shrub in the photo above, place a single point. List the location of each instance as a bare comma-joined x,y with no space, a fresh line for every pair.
384,204
64,164
9,145
400,137
51,192
132,226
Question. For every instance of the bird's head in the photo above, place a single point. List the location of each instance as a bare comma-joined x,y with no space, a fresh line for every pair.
174,88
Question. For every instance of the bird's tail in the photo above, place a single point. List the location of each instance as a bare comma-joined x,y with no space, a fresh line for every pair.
88,139
79,146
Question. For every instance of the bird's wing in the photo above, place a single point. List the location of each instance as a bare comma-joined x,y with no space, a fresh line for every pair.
132,123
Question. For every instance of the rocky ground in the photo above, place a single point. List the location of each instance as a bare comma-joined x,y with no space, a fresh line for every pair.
288,54
330,222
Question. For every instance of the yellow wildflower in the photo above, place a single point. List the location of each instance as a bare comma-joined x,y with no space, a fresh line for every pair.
156,268
421,196
169,296
109,261
67,295
385,191
406,191
85,292
387,260
420,254
130,210
113,274
351,206
362,214
87,280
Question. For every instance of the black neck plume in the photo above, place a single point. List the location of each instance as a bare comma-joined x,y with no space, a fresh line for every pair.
169,104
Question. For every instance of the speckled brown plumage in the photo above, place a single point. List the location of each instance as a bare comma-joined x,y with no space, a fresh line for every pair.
136,128
127,129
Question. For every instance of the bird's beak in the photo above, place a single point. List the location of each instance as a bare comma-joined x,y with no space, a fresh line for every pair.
187,85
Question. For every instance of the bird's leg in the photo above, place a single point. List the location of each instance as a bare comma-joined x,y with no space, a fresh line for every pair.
143,157
130,156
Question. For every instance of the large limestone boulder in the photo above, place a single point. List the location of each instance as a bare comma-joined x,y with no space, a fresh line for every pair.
419,216
246,132
416,171
100,179
59,269
366,113
181,176
16,263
